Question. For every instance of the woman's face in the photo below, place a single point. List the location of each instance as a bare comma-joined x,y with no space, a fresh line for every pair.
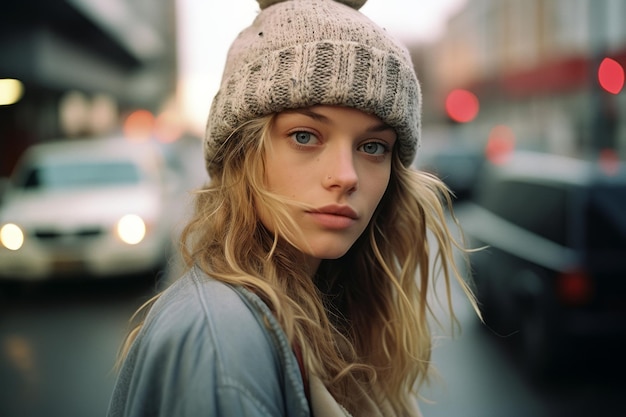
336,160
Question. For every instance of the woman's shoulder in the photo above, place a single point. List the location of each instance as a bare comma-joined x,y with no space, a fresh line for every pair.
218,315
204,335
201,332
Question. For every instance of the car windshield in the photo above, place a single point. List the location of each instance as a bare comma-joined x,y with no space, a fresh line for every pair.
606,218
81,175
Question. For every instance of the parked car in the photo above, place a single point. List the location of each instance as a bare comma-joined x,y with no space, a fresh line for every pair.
554,267
457,166
86,208
4,183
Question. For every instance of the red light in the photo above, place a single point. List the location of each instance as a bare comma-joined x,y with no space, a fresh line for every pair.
611,75
609,161
462,106
500,144
574,287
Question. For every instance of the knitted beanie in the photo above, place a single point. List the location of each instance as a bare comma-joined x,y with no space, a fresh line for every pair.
301,53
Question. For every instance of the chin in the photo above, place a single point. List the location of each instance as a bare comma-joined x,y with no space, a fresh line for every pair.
328,247
327,252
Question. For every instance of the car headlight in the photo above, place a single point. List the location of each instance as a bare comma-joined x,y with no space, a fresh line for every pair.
11,236
131,229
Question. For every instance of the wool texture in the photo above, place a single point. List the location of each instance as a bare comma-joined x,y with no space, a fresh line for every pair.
301,53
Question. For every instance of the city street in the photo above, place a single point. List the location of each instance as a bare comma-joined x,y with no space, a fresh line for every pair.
58,344
112,113
480,376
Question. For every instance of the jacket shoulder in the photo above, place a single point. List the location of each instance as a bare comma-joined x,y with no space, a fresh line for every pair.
205,346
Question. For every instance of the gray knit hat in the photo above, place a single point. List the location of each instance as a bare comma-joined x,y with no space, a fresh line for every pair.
299,53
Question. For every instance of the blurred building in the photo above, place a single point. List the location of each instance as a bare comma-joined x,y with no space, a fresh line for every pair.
533,65
74,67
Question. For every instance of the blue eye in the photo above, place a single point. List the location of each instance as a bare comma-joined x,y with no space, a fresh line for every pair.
303,137
374,148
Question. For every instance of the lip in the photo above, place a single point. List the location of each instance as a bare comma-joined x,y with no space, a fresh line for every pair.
334,216
337,210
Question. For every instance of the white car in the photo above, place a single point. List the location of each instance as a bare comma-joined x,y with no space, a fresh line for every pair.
86,208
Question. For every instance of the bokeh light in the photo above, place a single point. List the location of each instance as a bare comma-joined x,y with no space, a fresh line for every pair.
611,75
500,144
462,105
168,126
11,236
131,229
139,125
11,91
609,161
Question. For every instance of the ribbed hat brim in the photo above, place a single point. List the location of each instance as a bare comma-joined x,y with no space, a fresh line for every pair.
329,73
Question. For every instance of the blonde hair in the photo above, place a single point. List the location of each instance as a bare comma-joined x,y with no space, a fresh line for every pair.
362,322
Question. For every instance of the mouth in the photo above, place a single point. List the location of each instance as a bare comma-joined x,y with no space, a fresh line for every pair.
336,210
334,217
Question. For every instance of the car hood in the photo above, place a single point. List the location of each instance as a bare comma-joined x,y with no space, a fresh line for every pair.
67,207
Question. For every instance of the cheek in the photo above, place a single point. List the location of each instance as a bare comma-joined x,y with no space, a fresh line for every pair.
280,181
380,191
281,178
375,182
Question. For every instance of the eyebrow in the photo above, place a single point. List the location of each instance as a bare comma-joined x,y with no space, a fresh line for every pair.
381,127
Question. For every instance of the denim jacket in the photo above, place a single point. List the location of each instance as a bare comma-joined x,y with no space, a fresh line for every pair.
209,349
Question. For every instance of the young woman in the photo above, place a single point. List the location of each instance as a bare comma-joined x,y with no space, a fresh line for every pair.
309,268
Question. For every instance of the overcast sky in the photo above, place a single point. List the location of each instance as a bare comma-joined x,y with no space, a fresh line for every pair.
207,28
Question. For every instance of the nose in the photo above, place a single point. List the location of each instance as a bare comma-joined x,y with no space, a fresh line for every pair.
340,171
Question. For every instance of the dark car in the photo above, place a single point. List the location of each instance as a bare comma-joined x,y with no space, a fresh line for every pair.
553,273
457,166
